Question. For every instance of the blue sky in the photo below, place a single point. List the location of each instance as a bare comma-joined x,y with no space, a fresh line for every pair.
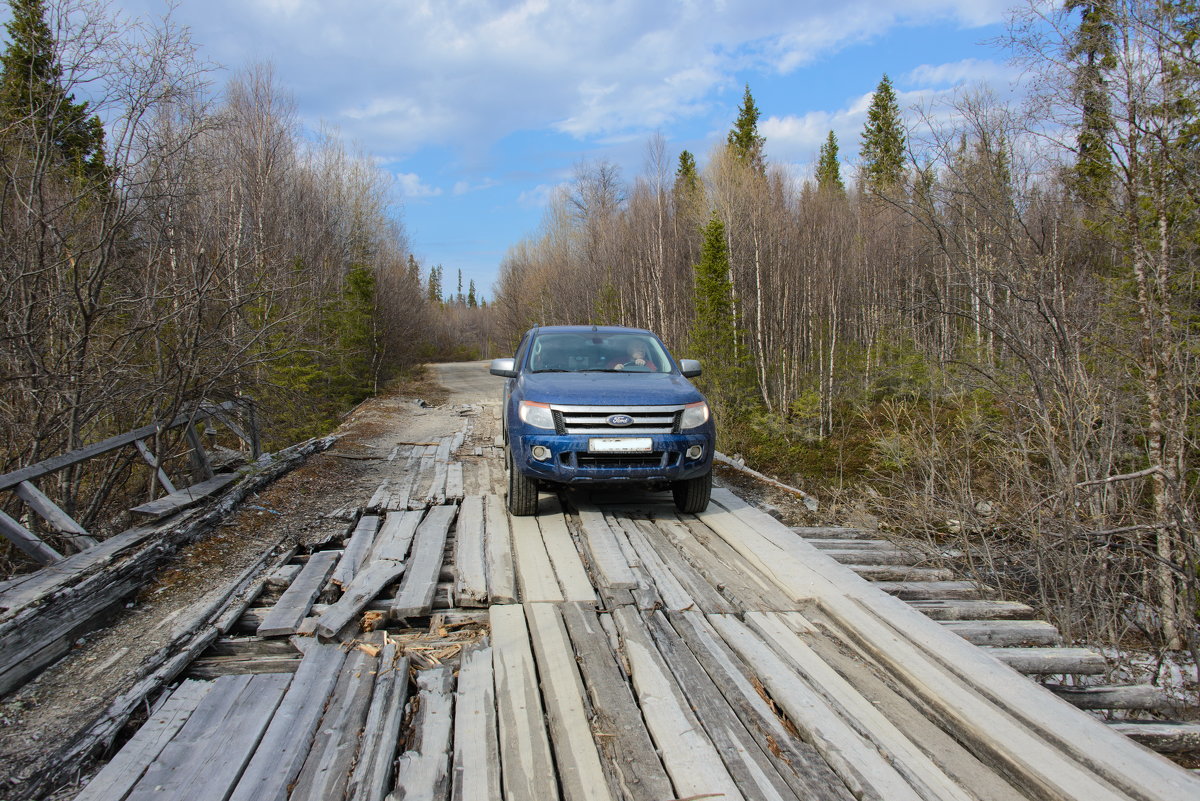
481,107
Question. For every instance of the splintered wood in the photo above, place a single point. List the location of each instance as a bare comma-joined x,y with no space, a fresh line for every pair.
625,653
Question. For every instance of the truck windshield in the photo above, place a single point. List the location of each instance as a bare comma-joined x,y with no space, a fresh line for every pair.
598,352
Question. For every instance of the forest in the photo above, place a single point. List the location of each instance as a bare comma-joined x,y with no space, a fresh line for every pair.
981,329
985,332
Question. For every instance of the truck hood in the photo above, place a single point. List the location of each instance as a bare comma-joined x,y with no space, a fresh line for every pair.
609,389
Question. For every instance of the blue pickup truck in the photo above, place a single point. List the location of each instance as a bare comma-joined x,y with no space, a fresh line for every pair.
588,405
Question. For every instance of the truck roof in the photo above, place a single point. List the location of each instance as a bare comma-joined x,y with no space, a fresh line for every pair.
582,329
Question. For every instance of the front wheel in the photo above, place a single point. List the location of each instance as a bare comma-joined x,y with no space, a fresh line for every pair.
522,492
691,495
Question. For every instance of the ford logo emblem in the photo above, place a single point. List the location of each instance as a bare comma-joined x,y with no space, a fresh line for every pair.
620,420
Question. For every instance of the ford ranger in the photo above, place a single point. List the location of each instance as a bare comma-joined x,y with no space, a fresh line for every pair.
602,405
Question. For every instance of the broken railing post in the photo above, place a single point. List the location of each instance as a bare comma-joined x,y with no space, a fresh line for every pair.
27,542
58,519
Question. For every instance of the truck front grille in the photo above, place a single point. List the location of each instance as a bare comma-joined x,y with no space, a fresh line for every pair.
595,420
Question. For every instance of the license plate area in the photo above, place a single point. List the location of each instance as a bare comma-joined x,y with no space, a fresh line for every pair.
620,445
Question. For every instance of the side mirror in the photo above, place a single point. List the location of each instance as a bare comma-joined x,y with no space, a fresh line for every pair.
505,368
689,367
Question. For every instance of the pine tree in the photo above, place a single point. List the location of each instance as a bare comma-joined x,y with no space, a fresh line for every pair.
1092,51
829,170
744,140
687,179
33,103
434,288
883,141
458,297
714,330
471,300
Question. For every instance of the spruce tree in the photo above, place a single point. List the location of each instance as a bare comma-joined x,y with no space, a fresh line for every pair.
1093,53
714,330
829,170
471,301
883,141
744,140
434,288
33,103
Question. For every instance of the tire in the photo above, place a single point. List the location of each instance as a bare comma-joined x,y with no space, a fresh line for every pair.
691,496
522,491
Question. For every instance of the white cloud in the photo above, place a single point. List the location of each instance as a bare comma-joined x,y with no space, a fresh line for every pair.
466,187
958,73
540,196
413,188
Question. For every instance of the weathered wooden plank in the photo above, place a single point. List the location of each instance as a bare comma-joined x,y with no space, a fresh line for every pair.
423,770
437,486
57,518
577,760
415,596
327,768
215,667
535,575
163,479
1005,632
674,595
369,583
395,536
1166,737
206,757
748,764
1113,696
687,753
629,752
806,772
645,594
470,569
201,464
454,482
606,554
726,569
943,609
1050,661
921,772
935,590
704,595
501,577
476,767
124,770
358,548
901,573
856,761
835,532
955,682
185,497
836,544
873,556
284,746
379,500
290,610
27,542
377,755
568,566
524,745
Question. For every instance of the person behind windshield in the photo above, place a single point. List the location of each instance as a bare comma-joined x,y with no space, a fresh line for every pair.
637,360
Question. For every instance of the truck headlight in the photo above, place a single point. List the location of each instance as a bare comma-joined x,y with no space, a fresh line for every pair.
537,415
694,415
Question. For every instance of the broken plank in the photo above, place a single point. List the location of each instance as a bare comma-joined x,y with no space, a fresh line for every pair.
27,542
369,583
501,578
535,575
689,756
704,595
564,557
606,555
674,595
377,754
292,607
454,482
470,569
525,758
331,756
285,745
415,596
577,760
395,536
629,752
56,517
423,770
358,547
476,767
379,500
124,770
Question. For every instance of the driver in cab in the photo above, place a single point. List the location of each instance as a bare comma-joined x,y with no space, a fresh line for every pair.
637,360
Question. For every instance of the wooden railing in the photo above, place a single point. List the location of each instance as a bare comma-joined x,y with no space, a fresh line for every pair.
21,481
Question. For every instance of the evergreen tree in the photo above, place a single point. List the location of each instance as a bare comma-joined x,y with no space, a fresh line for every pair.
744,140
414,271
883,141
687,178
471,301
829,170
714,330
434,288
33,103
1092,51
458,297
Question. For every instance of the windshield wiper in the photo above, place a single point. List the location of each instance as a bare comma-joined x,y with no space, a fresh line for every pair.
606,370
552,370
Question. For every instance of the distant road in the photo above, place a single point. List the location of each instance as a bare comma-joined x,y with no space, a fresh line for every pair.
469,382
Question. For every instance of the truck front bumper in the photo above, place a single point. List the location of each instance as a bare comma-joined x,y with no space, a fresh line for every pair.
569,460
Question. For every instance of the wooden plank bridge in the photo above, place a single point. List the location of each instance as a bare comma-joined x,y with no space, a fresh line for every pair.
610,648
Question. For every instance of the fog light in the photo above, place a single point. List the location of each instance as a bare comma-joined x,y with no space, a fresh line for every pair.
540,452
694,452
